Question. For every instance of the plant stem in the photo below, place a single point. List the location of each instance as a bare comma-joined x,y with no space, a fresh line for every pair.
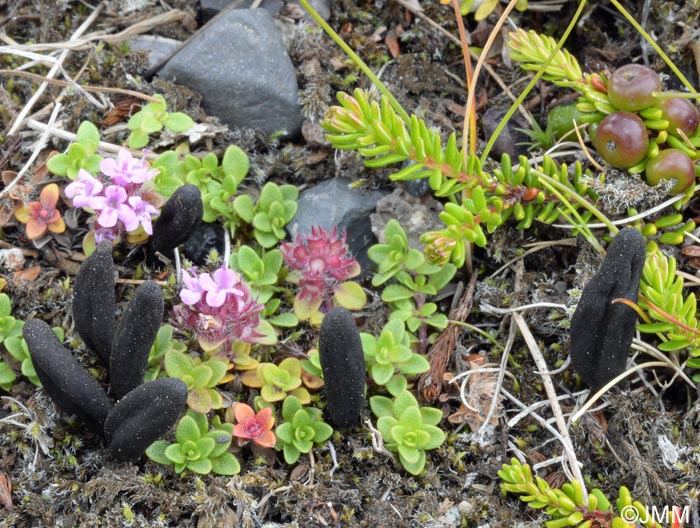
470,113
357,61
532,83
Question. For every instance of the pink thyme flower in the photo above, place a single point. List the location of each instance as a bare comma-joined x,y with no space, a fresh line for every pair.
114,208
255,427
126,169
219,308
320,260
143,213
84,189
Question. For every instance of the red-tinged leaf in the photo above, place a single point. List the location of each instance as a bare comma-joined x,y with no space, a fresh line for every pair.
49,196
392,42
35,229
28,274
6,491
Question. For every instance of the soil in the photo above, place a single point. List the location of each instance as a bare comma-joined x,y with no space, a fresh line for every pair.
60,474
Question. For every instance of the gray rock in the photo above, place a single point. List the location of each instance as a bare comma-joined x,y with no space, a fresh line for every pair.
416,216
134,337
68,384
143,416
158,48
208,9
333,204
94,301
239,64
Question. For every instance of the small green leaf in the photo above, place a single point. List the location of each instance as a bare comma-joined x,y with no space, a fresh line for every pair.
88,136
235,163
156,452
350,295
225,464
175,454
244,207
138,139
381,406
59,164
202,466
178,122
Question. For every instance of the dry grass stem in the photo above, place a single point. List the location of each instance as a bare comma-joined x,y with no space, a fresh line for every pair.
552,395
19,120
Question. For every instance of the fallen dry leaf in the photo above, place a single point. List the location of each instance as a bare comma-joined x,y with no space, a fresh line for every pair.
123,109
479,395
28,274
5,491
392,42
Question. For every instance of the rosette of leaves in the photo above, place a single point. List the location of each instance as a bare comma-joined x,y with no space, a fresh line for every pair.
201,378
81,154
152,118
302,428
391,353
262,273
569,506
407,428
163,344
274,209
414,279
196,448
218,182
276,382
479,201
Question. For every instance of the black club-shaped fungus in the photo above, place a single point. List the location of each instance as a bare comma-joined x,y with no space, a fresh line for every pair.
94,301
68,384
602,331
143,416
343,365
134,337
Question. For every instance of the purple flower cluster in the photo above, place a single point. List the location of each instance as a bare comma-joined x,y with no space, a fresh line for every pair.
119,204
218,307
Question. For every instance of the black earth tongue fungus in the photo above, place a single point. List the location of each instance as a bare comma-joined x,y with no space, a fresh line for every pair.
602,331
94,301
343,365
143,416
134,337
68,384
178,219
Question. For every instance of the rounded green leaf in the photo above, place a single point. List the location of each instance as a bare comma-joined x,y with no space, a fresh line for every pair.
178,122
322,431
205,445
174,454
291,453
381,373
156,452
225,464
284,432
202,466
187,429
199,400
177,364
381,406
350,295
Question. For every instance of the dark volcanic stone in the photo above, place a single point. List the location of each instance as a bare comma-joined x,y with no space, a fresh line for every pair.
132,343
240,65
343,365
602,332
94,301
68,384
333,203
143,416
179,218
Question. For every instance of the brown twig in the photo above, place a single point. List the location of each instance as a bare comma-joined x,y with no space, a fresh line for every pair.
430,383
99,89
